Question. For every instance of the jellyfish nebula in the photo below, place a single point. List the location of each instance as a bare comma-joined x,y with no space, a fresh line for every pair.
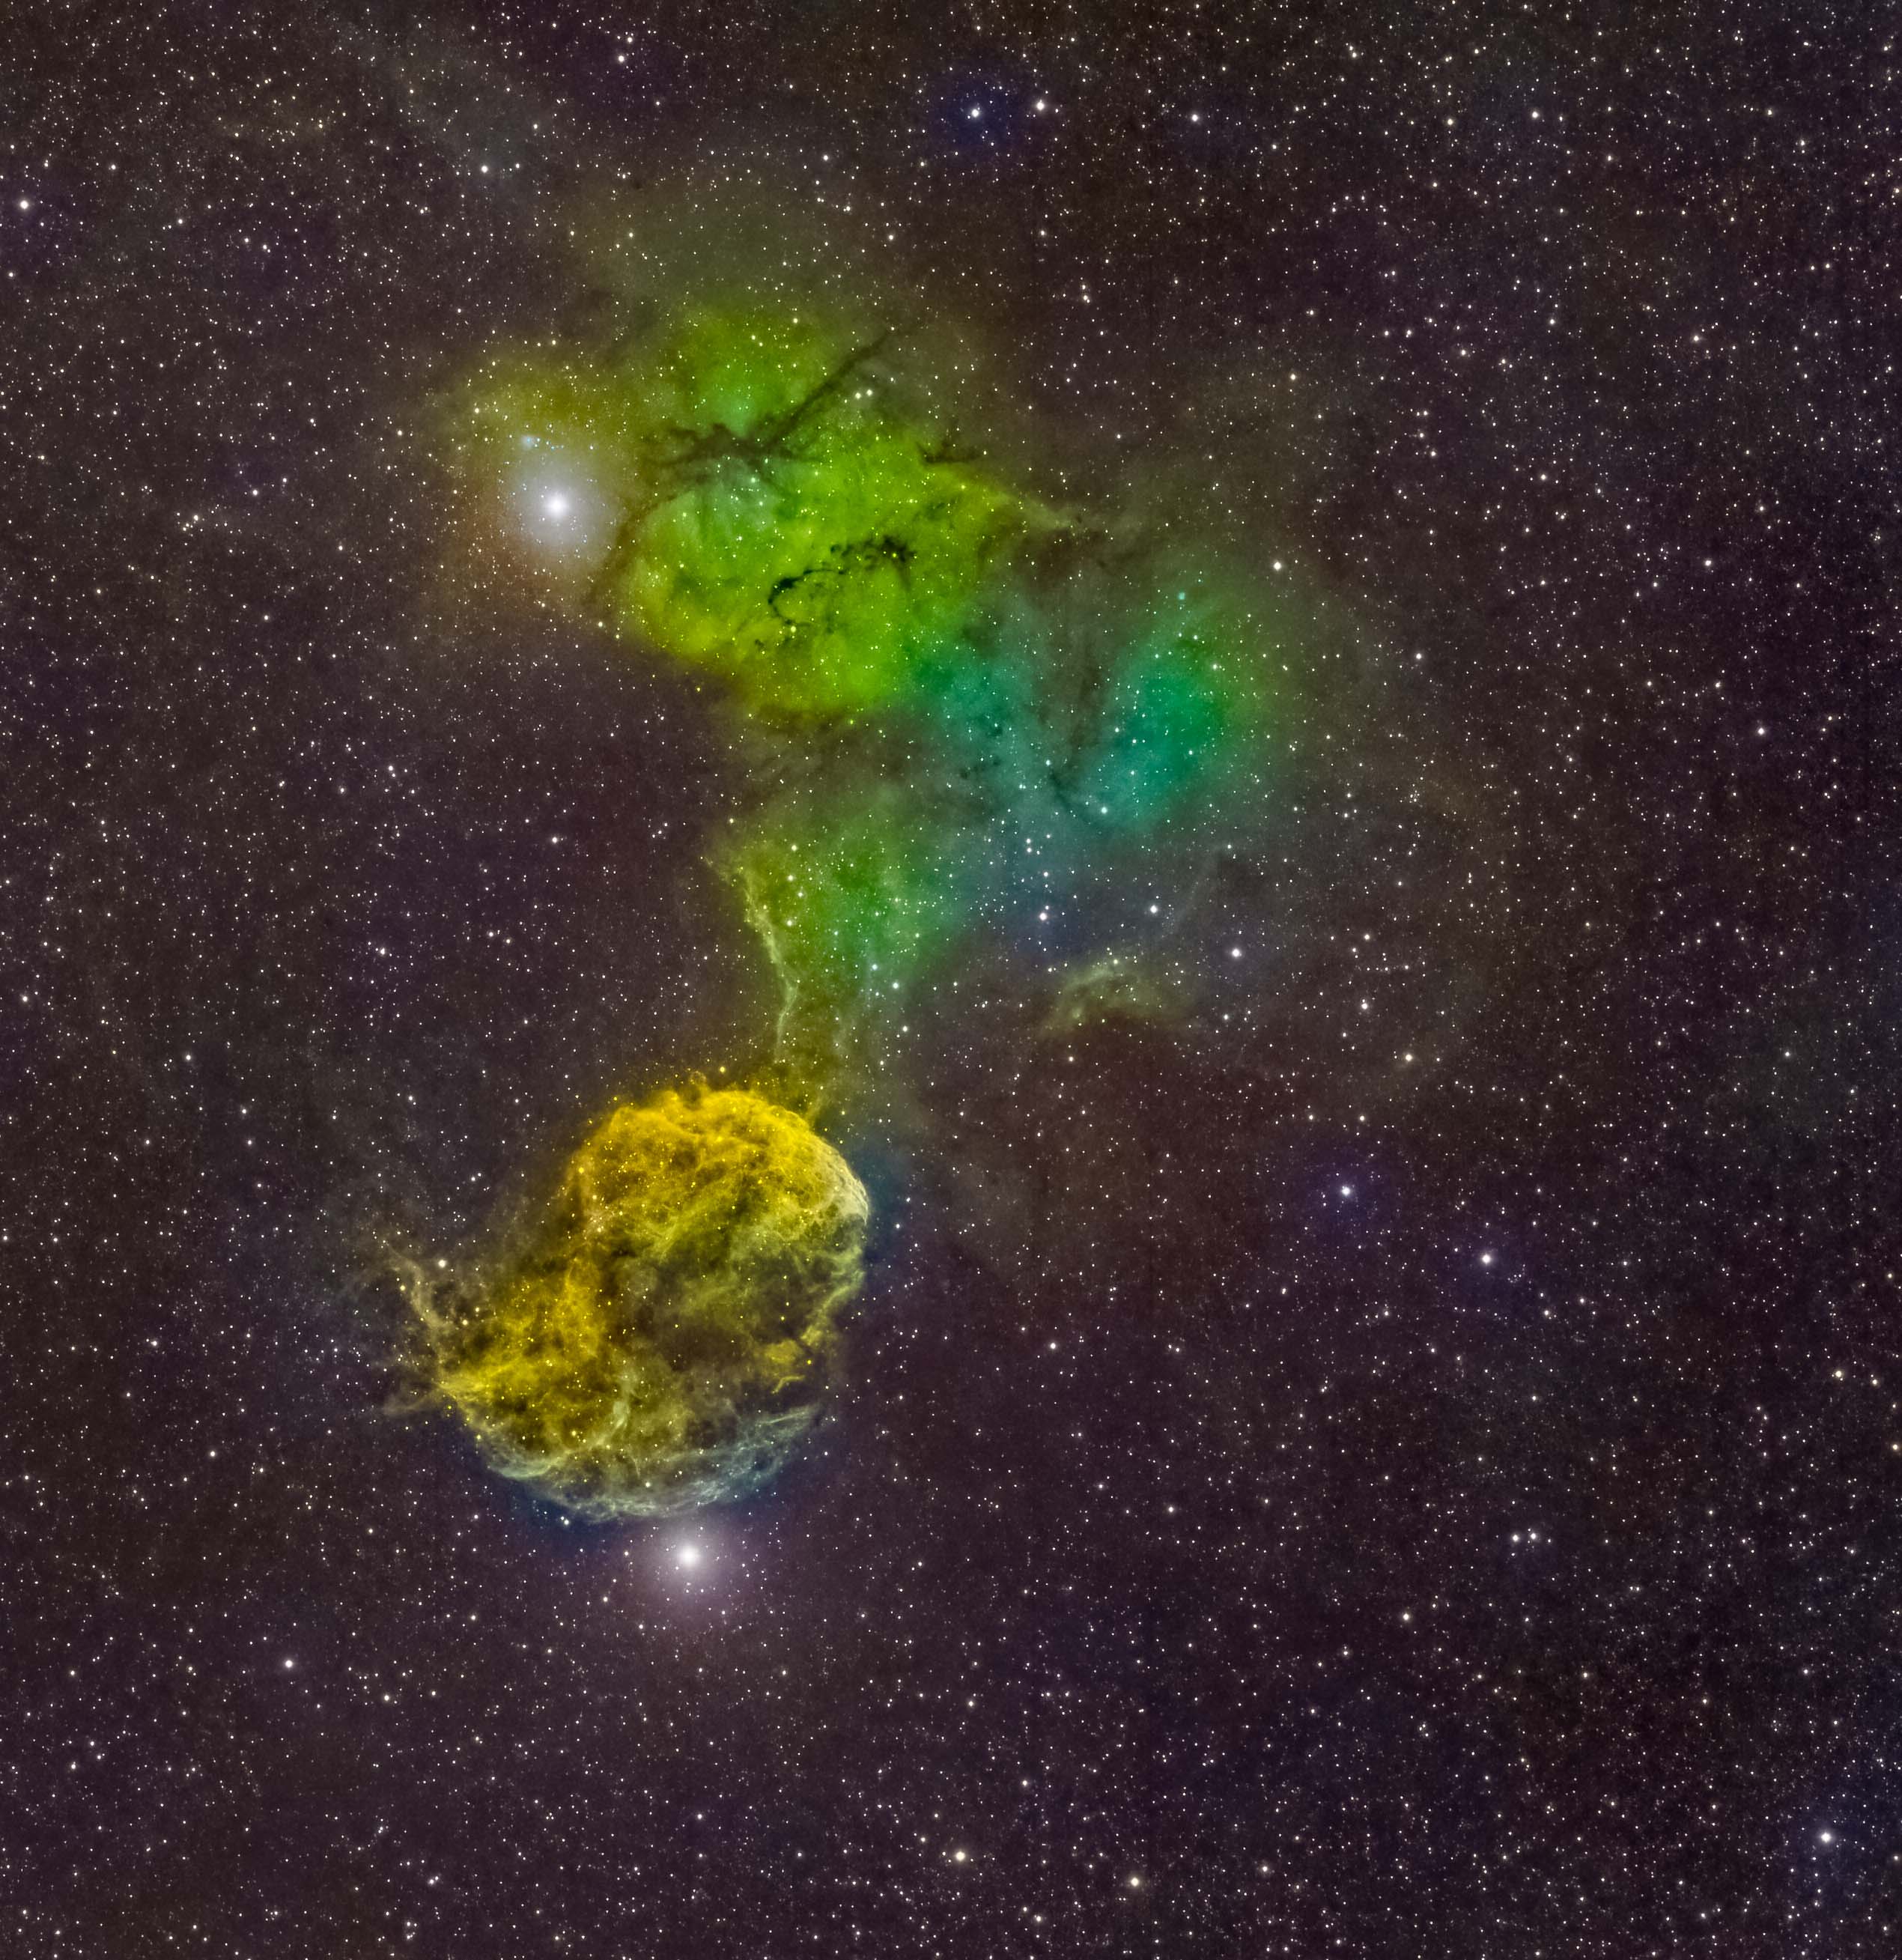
981,725
661,1336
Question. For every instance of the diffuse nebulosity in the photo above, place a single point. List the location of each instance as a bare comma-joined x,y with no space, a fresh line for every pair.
979,710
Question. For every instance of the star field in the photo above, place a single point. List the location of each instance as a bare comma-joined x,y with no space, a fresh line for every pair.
1373,1426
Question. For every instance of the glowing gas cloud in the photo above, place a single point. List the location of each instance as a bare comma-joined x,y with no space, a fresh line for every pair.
661,1338
986,723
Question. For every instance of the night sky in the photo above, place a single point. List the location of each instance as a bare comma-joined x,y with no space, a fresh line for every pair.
1365,1417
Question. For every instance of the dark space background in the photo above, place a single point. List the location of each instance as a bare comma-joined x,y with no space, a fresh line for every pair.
1502,1560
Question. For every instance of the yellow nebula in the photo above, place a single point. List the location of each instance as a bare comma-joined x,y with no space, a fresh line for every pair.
662,1338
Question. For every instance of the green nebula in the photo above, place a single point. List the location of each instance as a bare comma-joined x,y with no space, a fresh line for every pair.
976,728
851,904
663,1338
980,725
1179,718
1141,718
792,522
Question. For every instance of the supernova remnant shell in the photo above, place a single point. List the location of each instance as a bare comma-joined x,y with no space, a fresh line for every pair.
662,1339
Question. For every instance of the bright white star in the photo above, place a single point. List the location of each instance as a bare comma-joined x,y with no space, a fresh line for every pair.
556,504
